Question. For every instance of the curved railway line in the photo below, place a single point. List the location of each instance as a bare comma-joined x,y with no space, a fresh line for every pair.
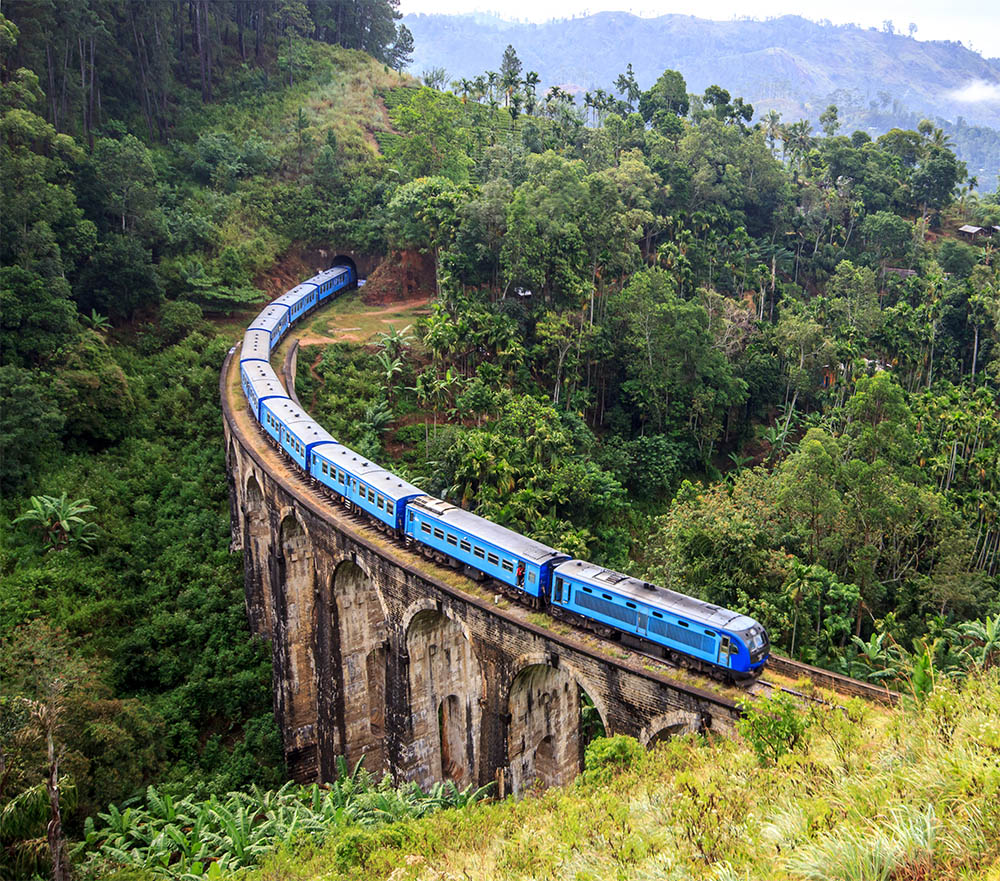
277,462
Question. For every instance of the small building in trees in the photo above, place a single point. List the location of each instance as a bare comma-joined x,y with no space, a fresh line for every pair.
971,232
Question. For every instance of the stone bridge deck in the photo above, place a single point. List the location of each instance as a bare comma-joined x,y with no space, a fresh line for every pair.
381,654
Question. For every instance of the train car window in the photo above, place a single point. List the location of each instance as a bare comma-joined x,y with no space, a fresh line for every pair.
559,589
452,540
340,476
607,596
588,590
683,623
478,552
630,605
389,508
371,496
439,533
464,545
411,516
380,502
493,558
425,527
531,577
508,565
709,633
324,469
657,615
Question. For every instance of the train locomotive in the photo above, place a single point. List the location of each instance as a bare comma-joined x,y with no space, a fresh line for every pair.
656,620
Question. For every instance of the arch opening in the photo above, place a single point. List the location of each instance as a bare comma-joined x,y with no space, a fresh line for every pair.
452,735
543,736
591,723
670,725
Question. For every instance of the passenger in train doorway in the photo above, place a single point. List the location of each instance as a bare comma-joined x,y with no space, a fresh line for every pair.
520,574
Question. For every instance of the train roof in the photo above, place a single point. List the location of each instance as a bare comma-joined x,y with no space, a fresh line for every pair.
327,274
269,317
487,530
256,345
290,298
267,387
387,483
653,595
256,370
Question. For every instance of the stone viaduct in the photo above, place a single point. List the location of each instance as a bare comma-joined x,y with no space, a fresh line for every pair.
381,654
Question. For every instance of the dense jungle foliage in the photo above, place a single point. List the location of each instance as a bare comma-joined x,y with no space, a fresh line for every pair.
730,356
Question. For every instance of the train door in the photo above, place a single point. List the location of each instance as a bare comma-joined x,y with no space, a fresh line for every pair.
724,651
642,620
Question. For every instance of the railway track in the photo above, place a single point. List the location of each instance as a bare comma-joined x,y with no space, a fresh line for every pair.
835,682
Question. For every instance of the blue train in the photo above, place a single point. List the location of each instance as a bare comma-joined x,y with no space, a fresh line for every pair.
681,628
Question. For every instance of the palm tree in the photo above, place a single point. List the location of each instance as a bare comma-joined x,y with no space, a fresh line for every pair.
96,321
391,368
772,128
394,340
985,638
531,81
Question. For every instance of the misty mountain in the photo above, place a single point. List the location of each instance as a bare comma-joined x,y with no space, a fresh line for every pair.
878,80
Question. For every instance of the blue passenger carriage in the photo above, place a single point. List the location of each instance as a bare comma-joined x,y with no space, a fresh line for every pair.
260,383
274,321
299,300
256,346
295,431
367,486
333,280
715,636
493,550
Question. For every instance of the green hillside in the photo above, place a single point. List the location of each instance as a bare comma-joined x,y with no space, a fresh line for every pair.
797,67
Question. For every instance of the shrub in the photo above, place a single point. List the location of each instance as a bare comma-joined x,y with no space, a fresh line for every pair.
607,757
772,726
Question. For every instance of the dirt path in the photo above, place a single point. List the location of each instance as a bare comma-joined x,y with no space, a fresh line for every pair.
352,328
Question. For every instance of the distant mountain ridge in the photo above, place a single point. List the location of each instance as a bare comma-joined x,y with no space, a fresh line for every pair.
790,64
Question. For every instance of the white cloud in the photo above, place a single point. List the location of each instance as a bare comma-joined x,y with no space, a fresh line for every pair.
976,92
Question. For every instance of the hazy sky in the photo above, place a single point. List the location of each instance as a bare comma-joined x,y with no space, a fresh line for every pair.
976,23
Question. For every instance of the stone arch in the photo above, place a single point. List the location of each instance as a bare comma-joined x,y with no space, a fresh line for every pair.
588,688
296,584
445,684
668,725
257,553
543,735
360,657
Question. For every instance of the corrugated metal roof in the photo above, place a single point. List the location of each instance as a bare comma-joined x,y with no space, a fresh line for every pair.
653,595
487,530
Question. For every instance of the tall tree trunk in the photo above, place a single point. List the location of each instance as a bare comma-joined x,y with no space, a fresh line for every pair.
201,40
52,86
82,52
975,353
57,843
90,97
